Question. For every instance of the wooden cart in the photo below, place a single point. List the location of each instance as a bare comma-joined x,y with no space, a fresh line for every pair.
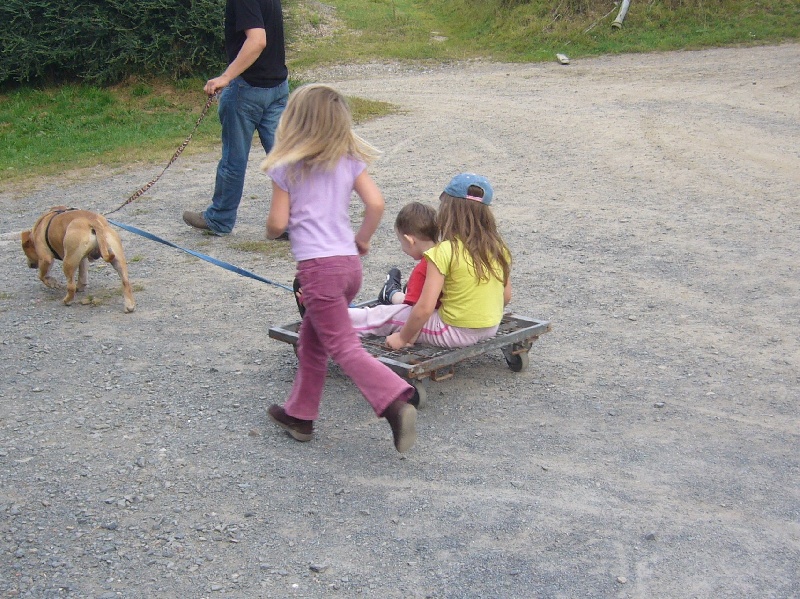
419,363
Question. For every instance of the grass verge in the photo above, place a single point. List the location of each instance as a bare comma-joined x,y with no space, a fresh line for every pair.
46,132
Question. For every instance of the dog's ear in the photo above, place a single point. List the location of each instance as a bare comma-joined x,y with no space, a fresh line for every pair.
29,247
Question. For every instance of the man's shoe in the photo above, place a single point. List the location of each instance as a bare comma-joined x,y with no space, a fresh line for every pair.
402,417
390,287
196,220
302,430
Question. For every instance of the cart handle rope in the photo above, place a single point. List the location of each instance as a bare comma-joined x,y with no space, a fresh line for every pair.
225,265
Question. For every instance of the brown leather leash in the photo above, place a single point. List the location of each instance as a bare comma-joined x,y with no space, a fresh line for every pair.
142,190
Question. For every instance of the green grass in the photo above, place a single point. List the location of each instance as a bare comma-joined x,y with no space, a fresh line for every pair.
268,248
366,30
47,132
44,132
535,30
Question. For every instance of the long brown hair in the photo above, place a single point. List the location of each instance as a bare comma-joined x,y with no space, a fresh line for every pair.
472,223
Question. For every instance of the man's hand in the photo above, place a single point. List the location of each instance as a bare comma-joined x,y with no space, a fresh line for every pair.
216,84
254,44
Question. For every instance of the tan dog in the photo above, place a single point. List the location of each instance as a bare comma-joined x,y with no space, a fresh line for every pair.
76,237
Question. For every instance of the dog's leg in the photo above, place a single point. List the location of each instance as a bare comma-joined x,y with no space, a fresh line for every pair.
45,262
117,260
121,267
77,246
83,274
71,264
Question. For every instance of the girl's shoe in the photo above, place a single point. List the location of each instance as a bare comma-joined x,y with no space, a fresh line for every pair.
302,430
298,297
402,417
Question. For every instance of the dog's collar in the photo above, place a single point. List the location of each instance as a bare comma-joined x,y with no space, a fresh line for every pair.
47,231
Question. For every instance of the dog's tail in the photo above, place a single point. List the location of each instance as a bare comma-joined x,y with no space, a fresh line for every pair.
102,243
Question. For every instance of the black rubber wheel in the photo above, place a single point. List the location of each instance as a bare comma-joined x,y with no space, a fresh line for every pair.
517,362
422,391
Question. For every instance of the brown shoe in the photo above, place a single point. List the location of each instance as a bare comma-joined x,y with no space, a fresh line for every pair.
302,430
196,220
402,417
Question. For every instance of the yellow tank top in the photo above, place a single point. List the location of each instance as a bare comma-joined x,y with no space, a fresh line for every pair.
466,301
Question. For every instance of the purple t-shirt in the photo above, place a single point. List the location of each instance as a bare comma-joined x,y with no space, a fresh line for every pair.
319,216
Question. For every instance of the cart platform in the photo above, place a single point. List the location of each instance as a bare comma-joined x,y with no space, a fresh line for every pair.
421,362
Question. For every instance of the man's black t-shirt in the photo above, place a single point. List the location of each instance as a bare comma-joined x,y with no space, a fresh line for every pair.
269,69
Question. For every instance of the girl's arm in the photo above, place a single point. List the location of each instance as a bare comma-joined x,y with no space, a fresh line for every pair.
372,197
421,312
278,217
507,293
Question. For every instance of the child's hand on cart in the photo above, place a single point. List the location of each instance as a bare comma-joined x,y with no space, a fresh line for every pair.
395,341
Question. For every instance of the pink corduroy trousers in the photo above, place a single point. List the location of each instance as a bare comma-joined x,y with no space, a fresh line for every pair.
329,285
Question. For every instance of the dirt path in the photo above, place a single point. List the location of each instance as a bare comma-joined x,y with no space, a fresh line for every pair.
651,450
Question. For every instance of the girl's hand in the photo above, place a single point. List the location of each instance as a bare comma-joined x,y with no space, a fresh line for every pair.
363,247
395,341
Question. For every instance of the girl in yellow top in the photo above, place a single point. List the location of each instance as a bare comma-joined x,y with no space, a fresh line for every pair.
470,267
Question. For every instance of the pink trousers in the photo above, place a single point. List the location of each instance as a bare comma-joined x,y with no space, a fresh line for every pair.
385,320
329,285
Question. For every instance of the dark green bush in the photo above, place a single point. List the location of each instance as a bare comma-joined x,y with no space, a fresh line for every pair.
106,41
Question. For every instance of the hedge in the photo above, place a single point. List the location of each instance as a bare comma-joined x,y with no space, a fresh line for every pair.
106,41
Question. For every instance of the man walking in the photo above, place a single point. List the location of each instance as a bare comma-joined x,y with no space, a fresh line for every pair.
254,92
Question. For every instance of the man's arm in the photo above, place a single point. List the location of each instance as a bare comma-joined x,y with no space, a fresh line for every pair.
251,49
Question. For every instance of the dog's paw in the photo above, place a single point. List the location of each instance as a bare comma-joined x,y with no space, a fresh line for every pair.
51,283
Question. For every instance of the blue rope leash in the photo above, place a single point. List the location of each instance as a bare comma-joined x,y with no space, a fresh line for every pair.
225,265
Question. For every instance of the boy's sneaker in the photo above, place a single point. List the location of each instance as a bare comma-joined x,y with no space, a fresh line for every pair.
390,287
302,430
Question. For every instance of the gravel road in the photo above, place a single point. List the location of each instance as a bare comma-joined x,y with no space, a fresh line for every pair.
650,450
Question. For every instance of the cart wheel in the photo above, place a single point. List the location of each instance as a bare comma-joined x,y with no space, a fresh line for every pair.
517,362
422,391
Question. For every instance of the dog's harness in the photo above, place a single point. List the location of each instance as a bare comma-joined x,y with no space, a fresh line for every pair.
47,231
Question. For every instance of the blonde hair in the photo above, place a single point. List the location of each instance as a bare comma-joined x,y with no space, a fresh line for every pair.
472,223
316,131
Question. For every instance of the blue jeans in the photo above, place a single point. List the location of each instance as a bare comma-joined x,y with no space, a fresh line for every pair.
243,110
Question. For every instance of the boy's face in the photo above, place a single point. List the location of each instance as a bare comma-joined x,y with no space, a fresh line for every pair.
409,245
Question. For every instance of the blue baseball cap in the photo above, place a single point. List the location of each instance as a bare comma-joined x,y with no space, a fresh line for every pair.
460,184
